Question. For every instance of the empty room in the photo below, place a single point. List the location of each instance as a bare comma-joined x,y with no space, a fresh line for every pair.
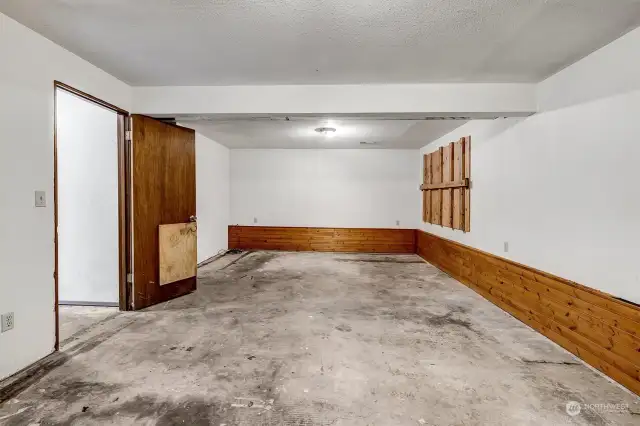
319,213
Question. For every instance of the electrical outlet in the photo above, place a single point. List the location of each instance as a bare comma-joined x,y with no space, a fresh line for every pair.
397,223
7,322
506,246
255,220
41,199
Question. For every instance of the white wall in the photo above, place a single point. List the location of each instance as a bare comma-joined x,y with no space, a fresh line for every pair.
560,186
30,64
87,142
324,188
612,70
212,196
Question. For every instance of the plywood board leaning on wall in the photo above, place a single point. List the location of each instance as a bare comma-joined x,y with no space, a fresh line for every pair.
446,186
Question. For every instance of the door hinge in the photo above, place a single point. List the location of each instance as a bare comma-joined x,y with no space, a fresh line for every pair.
127,135
129,278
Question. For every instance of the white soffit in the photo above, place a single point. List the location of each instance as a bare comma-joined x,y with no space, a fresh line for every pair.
435,100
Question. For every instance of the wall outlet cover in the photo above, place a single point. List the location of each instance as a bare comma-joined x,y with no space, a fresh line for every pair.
6,322
506,246
41,199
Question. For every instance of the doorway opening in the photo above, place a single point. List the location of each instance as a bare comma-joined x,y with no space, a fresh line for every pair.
91,191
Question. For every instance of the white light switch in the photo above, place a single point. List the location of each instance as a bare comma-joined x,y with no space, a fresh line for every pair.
41,199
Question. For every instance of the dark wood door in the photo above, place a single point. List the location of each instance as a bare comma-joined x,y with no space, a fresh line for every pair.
163,180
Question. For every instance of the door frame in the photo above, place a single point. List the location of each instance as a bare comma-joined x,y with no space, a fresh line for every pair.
124,192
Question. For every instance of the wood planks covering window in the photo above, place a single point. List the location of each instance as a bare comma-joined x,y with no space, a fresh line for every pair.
596,327
446,193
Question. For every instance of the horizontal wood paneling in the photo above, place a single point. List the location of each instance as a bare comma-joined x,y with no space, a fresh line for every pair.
361,240
598,328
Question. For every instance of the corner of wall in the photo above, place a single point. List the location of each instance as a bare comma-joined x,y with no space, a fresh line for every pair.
212,196
610,70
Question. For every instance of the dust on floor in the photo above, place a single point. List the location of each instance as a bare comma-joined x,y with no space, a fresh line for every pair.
77,319
318,339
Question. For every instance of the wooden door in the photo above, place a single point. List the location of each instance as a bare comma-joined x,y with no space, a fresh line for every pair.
163,180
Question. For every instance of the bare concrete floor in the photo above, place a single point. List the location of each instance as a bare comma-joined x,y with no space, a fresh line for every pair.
318,339
76,319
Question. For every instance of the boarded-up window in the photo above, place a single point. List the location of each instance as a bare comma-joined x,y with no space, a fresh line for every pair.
446,192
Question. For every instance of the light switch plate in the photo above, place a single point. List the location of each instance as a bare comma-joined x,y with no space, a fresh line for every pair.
41,199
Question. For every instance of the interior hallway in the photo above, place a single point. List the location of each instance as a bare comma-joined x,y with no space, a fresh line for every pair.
278,338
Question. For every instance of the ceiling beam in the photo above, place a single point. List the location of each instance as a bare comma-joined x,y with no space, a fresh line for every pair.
475,100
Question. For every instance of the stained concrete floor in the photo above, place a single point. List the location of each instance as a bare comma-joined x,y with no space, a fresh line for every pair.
317,339
76,319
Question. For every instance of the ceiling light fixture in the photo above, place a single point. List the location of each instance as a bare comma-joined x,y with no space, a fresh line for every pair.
327,131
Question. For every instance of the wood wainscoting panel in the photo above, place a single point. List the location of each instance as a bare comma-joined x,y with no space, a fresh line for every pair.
598,328
359,240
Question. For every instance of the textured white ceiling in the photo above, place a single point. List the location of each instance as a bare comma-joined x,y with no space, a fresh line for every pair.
229,42
300,132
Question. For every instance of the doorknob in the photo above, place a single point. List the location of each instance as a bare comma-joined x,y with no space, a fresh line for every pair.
193,218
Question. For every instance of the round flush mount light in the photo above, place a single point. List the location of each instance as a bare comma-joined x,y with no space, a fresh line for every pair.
326,130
